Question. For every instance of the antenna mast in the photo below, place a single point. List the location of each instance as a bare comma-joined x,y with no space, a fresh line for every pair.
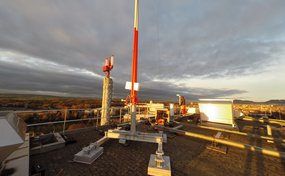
135,54
135,68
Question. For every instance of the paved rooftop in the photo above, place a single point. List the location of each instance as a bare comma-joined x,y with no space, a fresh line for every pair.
188,156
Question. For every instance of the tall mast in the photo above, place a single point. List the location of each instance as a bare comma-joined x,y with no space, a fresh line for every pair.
135,69
135,53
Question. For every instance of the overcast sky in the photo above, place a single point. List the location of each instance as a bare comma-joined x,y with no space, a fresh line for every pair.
197,48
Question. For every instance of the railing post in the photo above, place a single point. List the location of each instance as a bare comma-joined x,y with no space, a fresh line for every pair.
120,115
97,118
65,114
147,112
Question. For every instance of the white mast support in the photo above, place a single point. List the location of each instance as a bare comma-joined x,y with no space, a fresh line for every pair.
106,100
133,118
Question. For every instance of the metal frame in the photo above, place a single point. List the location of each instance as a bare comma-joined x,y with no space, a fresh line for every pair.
138,136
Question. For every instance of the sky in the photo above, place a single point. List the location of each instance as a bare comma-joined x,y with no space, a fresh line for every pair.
196,48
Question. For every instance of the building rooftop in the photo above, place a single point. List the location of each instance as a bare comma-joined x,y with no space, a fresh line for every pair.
189,156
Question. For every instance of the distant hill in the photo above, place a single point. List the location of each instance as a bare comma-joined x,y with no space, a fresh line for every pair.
35,96
48,97
266,102
275,102
24,95
244,102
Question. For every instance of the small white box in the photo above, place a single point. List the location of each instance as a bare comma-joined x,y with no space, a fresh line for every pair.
129,86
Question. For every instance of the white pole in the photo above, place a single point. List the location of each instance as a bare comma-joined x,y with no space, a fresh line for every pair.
133,118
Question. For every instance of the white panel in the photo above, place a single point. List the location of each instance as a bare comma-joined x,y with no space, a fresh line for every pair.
137,86
219,113
129,86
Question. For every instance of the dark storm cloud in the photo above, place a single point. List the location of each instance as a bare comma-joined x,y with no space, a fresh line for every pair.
178,39
19,79
169,91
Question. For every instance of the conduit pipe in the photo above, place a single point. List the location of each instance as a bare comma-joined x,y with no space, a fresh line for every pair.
228,142
272,121
241,133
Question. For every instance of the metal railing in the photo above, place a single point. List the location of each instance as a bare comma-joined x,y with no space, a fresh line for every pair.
117,114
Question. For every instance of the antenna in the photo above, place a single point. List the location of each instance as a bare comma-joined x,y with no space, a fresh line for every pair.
135,54
109,64
133,97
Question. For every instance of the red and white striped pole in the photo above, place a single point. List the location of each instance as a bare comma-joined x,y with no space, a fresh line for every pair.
135,69
135,54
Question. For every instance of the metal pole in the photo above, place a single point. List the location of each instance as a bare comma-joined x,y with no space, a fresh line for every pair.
134,69
135,54
133,118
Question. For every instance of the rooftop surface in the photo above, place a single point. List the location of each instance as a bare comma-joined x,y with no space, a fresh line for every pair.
189,156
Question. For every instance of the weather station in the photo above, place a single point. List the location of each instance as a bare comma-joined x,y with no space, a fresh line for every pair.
159,164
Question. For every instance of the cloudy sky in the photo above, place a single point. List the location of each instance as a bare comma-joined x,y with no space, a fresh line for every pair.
197,48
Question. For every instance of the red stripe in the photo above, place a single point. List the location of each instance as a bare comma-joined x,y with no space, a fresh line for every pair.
135,66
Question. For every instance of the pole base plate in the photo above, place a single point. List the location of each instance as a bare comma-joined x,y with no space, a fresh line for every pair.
88,158
165,170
